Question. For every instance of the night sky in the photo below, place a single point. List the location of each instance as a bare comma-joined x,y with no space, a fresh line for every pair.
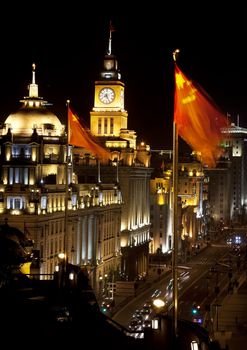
68,44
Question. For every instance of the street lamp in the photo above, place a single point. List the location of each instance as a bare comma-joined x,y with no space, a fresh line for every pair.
159,305
61,256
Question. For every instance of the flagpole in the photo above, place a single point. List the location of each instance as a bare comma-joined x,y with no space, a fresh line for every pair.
66,197
99,179
175,222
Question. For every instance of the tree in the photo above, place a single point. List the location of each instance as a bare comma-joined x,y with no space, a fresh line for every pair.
14,251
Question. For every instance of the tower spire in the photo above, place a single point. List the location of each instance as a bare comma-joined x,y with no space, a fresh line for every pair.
33,87
33,73
111,29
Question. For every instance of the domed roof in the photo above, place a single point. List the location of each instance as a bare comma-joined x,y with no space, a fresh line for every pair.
34,115
25,120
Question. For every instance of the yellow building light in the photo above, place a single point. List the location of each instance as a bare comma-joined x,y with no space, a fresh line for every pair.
15,212
124,242
8,153
34,154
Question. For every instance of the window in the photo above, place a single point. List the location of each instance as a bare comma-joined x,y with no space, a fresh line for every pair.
74,199
15,151
105,125
99,126
111,126
43,203
21,151
27,152
15,203
11,176
25,172
41,250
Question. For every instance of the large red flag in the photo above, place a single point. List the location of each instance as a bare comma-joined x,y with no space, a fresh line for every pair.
81,137
199,121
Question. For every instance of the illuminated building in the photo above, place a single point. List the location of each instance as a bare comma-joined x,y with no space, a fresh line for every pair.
131,165
33,188
108,206
192,199
160,211
229,206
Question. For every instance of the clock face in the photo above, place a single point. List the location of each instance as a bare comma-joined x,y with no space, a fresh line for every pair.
106,95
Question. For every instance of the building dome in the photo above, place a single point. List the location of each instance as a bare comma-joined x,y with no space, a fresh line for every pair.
26,119
33,115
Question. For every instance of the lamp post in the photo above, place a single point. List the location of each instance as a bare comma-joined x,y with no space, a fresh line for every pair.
62,270
100,286
105,285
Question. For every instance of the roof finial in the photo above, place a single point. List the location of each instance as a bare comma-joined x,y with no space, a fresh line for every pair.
33,73
33,87
111,29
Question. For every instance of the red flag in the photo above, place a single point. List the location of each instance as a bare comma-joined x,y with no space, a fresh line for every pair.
199,121
81,137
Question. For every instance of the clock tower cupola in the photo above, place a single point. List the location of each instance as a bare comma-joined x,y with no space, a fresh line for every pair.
109,118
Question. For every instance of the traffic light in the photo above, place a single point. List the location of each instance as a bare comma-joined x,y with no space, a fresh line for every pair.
195,309
104,309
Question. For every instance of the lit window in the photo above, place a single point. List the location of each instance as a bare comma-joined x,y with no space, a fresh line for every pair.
74,199
43,203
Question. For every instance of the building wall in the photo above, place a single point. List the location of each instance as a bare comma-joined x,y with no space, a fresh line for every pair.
160,211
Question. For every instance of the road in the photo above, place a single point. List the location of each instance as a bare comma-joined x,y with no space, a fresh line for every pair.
198,288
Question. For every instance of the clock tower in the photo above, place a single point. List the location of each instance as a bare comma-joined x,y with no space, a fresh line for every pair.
108,118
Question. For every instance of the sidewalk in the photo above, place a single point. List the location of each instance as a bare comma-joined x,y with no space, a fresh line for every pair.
232,318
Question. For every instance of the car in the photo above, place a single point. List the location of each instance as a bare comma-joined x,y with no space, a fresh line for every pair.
138,318
184,275
156,294
108,302
146,311
148,304
107,305
135,325
61,314
169,286
147,324
137,314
